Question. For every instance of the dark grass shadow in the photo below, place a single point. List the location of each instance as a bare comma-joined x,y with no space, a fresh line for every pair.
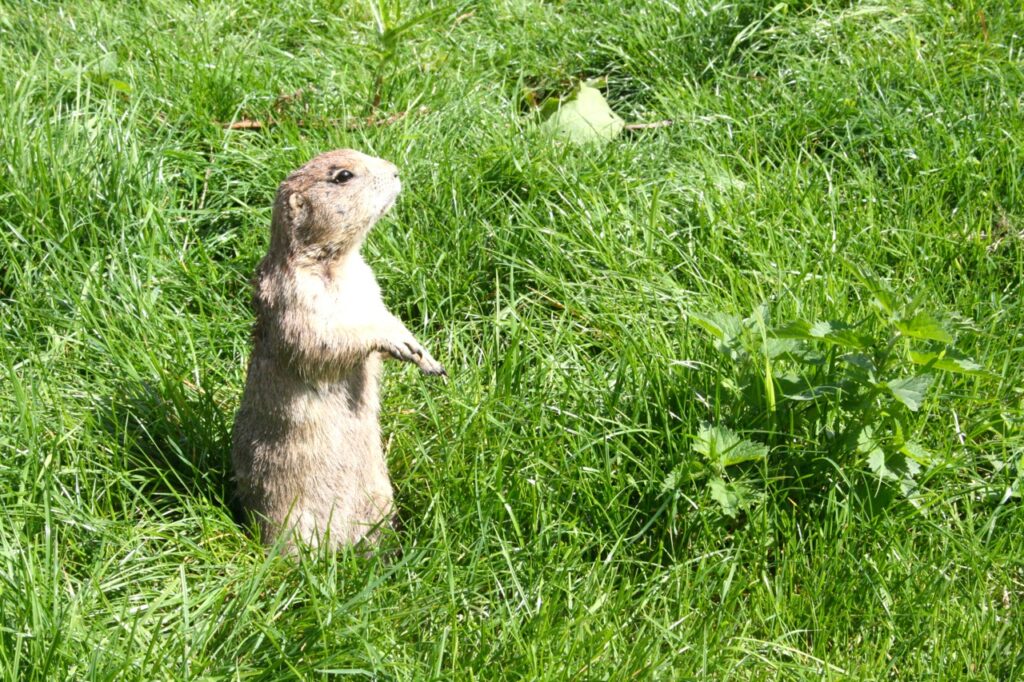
174,440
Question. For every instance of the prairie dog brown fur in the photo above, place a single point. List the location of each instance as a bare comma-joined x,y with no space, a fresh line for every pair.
306,448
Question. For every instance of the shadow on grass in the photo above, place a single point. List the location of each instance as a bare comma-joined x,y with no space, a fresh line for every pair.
174,440
175,444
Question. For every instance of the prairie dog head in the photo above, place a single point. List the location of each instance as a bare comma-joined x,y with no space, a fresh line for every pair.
326,207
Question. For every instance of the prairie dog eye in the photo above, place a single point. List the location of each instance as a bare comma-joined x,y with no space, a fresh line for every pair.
342,176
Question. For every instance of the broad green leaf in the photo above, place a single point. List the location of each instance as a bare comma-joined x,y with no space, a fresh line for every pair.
893,466
839,333
725,328
586,118
793,392
924,326
843,334
861,369
774,348
820,330
917,452
880,295
744,451
726,498
886,465
947,360
883,300
867,442
549,107
1016,488
798,387
801,353
719,325
910,391
877,464
860,361
908,467
688,470
731,497
799,329
723,447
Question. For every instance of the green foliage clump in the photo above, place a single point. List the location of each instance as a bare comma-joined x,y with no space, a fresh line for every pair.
810,390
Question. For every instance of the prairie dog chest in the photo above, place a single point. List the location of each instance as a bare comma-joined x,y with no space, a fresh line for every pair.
347,296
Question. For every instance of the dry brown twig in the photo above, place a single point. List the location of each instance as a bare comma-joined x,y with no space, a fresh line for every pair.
350,124
648,126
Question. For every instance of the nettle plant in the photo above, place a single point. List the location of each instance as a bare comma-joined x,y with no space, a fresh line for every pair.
813,391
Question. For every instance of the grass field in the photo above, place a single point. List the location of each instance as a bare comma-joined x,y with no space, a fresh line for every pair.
562,514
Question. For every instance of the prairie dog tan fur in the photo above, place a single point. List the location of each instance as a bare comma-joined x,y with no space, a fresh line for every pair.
306,447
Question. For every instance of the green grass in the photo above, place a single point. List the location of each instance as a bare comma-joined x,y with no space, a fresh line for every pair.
538,537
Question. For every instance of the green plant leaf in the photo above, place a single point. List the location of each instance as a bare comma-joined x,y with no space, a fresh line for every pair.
802,354
917,452
796,387
723,447
719,325
587,118
726,329
1016,488
947,360
798,329
910,391
860,361
105,66
548,108
924,326
839,333
877,464
881,297
689,469
731,497
893,466
774,348
867,442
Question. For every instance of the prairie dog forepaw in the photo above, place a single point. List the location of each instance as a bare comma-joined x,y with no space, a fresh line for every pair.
429,365
408,349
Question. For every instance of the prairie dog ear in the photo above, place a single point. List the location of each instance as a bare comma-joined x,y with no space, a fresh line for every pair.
297,204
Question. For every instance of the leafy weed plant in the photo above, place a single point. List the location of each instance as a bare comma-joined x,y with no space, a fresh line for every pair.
826,390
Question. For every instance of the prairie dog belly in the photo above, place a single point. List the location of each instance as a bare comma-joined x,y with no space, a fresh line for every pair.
314,456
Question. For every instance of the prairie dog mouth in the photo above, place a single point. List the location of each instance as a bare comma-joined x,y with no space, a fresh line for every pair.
397,188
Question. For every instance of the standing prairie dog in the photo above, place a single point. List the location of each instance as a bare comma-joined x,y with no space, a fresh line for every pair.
306,447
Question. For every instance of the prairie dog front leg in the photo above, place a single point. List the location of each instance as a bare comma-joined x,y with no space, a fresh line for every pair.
400,344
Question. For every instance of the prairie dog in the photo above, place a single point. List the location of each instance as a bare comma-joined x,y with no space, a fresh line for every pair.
306,448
